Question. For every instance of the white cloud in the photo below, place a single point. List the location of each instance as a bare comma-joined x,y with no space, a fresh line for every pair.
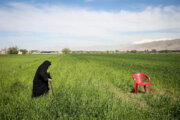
89,27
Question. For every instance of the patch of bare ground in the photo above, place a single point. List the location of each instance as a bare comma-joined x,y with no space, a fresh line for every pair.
130,98
173,95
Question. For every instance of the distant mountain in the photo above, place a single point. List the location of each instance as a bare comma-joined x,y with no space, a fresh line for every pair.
158,45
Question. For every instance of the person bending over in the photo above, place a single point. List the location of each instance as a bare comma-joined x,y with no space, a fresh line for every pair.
41,79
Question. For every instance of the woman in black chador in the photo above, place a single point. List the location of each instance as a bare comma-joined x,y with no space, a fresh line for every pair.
41,78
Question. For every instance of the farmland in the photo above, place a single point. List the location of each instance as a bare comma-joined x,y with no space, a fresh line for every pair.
91,86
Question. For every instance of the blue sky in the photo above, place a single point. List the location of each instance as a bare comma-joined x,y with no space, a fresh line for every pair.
86,24
114,5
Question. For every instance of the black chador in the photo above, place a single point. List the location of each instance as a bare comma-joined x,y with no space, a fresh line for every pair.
40,82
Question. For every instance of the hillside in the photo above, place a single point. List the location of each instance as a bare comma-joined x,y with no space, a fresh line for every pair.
158,45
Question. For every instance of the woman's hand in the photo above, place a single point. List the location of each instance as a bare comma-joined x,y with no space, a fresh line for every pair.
49,79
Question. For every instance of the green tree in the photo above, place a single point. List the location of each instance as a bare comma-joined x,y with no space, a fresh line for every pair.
133,51
66,50
153,51
13,50
24,51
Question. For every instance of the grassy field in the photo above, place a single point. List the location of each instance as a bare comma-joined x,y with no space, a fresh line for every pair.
91,86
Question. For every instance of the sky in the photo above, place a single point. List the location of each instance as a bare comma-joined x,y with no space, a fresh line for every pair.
86,24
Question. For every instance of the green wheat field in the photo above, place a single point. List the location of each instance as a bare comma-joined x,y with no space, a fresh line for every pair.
91,87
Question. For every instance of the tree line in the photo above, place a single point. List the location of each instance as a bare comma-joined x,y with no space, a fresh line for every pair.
15,50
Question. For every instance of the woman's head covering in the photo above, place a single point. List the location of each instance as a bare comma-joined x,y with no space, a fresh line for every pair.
44,66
